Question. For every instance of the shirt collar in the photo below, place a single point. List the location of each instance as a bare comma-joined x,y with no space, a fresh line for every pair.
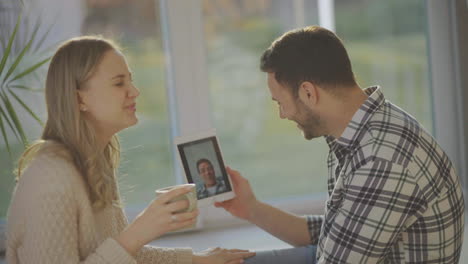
351,133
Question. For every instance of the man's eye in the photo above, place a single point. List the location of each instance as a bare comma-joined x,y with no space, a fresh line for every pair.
119,84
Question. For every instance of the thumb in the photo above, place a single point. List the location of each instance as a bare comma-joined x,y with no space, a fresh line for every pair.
235,175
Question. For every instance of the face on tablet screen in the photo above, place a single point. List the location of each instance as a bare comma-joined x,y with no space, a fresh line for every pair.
204,166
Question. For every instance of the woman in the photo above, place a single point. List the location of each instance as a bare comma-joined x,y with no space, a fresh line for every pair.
66,206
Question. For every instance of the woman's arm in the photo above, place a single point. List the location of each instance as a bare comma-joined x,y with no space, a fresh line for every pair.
51,232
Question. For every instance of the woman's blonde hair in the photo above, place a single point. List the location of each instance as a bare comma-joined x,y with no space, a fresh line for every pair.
72,65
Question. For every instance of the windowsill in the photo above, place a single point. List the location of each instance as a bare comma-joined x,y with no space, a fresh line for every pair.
243,236
213,218
220,229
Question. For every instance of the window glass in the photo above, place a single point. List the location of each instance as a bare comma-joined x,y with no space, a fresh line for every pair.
386,41
270,152
146,154
387,45
146,162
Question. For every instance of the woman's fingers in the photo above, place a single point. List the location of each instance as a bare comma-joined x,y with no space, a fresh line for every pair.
236,261
237,250
177,206
185,216
240,255
167,197
178,224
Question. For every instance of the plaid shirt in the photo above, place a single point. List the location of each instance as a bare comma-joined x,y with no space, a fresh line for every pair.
394,196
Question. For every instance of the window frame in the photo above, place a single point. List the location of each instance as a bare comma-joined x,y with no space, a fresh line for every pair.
188,92
448,59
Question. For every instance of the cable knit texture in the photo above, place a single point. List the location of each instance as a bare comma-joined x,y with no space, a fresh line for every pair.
50,220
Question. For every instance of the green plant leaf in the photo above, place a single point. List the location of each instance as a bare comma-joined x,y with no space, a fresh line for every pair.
21,55
2,42
10,43
25,107
12,113
2,112
30,69
4,134
44,37
24,87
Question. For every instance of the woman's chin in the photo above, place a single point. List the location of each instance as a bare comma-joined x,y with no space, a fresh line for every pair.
131,123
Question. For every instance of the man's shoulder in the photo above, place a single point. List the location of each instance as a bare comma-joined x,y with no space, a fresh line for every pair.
220,179
392,120
200,187
392,134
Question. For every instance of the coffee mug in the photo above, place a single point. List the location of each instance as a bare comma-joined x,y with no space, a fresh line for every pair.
191,197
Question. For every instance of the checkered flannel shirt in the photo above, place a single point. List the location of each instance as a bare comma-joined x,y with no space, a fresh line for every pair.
394,196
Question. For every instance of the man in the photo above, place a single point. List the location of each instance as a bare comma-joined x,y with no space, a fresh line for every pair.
394,196
211,184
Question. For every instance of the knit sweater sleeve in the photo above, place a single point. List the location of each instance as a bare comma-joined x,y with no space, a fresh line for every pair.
158,255
51,227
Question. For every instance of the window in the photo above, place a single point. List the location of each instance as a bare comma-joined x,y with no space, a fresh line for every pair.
386,41
146,162
197,66
270,152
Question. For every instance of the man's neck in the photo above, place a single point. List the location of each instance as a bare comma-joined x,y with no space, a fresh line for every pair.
342,110
209,186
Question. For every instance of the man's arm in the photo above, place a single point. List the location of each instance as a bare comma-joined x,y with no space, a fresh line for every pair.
381,199
290,228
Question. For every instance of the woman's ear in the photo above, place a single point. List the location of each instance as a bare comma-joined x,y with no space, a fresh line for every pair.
308,93
81,104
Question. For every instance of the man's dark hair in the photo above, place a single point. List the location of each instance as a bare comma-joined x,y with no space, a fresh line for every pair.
312,54
200,161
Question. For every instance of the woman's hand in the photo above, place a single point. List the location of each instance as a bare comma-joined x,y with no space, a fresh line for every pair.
157,219
221,256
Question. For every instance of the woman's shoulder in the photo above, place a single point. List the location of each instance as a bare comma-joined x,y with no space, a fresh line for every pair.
48,177
52,163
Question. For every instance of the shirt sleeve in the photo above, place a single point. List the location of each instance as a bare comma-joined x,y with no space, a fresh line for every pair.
314,223
51,234
378,201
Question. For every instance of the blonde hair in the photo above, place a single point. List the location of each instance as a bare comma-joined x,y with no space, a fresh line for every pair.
72,65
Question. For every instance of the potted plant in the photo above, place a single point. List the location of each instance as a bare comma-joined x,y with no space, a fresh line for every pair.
19,63
11,79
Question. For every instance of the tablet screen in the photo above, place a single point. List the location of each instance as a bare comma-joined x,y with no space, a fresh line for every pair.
203,165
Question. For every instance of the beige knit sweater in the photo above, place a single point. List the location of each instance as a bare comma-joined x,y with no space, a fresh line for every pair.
50,220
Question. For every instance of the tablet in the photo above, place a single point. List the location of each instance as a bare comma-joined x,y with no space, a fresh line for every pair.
203,165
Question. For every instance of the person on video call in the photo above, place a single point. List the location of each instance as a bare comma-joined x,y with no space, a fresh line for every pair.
211,184
394,196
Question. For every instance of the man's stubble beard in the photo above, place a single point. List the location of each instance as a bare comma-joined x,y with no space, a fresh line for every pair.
311,124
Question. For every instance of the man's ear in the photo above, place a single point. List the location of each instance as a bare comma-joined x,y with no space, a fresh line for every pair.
308,93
